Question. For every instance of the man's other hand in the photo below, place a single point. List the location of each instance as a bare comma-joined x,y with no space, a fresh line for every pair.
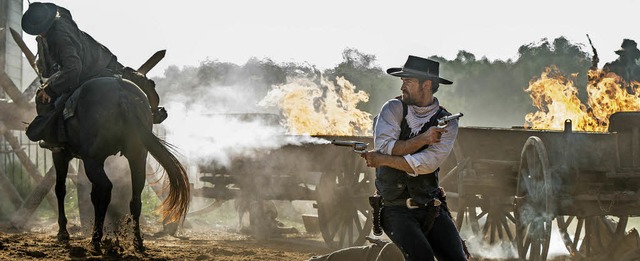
433,135
44,97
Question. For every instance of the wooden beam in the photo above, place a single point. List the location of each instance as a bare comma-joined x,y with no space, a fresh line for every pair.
23,214
31,168
10,191
12,90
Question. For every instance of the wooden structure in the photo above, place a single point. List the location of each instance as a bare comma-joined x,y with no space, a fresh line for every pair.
335,177
510,184
16,108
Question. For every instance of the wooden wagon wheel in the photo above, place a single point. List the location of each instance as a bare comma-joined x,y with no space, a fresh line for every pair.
591,237
344,213
499,221
489,216
533,202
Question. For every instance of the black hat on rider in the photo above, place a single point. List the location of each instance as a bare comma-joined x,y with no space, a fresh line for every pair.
629,47
421,68
38,18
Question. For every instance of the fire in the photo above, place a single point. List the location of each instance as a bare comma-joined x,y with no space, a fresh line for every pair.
557,100
321,109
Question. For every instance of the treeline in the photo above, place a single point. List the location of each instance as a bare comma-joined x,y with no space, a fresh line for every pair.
490,93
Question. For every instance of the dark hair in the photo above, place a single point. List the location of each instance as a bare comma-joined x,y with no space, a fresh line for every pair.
434,84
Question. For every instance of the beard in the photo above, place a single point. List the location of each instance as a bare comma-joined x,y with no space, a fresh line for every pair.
407,98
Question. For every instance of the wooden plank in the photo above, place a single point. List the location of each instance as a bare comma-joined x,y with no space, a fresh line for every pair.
31,168
25,212
12,90
10,191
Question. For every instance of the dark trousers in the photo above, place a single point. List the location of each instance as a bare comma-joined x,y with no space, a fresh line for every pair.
404,228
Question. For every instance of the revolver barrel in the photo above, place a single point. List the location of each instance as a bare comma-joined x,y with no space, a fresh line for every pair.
442,122
358,147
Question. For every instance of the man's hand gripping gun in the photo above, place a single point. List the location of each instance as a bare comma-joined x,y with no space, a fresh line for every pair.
358,147
444,121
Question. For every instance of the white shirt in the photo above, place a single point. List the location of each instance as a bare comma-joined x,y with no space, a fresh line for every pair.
387,132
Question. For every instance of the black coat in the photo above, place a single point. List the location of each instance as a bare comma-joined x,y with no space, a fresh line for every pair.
71,57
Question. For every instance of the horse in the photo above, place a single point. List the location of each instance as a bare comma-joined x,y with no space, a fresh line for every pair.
113,115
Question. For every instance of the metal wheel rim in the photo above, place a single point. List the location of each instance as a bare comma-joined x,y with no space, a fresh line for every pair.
532,204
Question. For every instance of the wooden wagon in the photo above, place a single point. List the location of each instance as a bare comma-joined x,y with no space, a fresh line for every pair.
336,178
511,184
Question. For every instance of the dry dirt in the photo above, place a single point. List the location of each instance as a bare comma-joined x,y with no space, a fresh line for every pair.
190,246
41,244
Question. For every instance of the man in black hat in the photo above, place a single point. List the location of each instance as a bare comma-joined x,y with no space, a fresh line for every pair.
409,149
69,57
626,66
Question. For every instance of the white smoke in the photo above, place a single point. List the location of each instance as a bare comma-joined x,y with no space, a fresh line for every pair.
223,123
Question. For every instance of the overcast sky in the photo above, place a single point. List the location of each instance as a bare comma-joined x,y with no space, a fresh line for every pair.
318,31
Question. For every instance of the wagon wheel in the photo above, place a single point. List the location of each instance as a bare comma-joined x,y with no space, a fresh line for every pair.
499,222
591,237
344,213
533,202
489,217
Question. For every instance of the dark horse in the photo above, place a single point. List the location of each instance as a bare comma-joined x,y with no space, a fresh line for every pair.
113,115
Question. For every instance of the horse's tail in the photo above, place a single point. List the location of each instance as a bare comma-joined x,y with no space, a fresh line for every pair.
175,206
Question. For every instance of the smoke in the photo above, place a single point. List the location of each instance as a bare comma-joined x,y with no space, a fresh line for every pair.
221,126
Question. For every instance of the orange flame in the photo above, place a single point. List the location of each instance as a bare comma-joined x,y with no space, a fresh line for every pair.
557,100
324,109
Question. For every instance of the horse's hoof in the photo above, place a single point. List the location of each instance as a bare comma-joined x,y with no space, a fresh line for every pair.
140,248
137,244
63,237
96,248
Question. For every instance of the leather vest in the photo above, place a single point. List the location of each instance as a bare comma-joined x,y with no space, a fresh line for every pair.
395,184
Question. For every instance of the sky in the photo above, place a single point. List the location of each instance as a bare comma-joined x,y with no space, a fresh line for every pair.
316,32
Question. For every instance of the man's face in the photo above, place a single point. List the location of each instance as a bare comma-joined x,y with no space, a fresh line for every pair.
412,92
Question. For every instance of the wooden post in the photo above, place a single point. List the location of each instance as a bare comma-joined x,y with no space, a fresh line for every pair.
23,214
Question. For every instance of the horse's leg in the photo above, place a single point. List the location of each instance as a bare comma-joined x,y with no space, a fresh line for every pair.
61,162
137,164
100,196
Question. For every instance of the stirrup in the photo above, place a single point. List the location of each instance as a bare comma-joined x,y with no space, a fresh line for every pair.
159,115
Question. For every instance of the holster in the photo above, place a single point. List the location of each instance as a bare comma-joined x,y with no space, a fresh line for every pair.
434,211
376,203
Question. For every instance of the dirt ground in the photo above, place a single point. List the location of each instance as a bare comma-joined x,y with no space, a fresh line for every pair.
41,244
219,245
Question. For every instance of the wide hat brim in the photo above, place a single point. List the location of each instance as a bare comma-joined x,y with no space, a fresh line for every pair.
38,18
409,73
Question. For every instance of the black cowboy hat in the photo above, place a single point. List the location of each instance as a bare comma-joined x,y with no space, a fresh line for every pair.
627,45
418,67
39,17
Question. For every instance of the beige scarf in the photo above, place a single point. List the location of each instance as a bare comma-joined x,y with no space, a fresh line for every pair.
418,116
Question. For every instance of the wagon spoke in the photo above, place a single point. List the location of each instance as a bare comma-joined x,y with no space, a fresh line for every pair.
576,237
507,229
479,216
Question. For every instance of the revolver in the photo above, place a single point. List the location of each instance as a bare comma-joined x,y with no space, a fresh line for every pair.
442,122
358,147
